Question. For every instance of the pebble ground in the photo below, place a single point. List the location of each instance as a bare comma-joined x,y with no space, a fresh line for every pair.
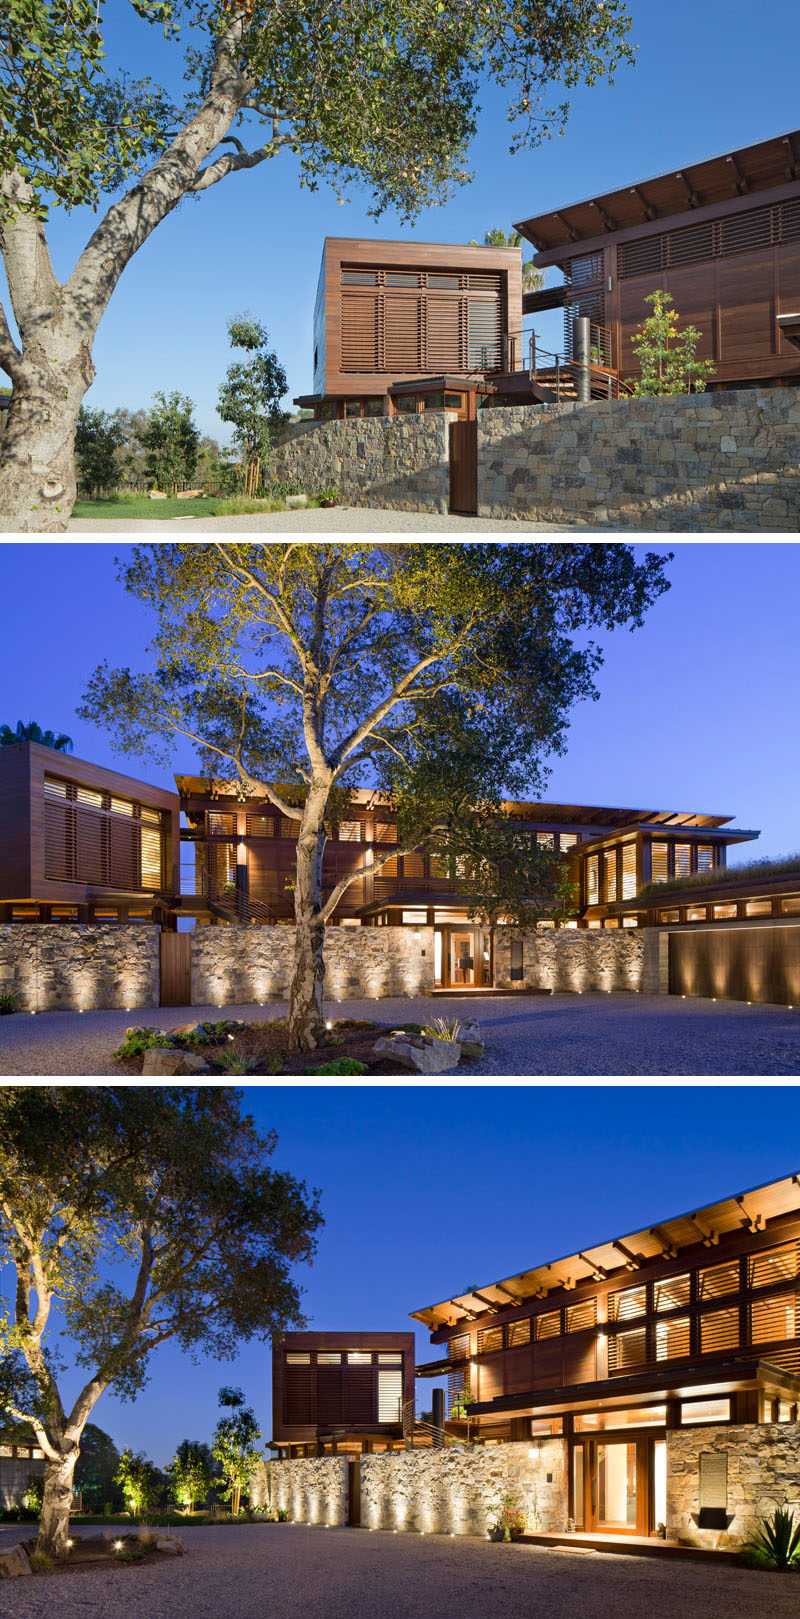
335,520
625,1036
282,1571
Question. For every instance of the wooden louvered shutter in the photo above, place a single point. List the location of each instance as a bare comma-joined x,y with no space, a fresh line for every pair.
443,326
719,1330
59,840
298,1403
90,862
329,1394
124,871
360,1395
627,1350
402,332
413,868
360,346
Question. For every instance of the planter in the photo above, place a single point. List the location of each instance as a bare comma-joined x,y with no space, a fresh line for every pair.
495,1534
327,503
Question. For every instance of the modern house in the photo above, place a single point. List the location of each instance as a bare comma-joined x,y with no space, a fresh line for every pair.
721,236
83,844
343,1391
21,1461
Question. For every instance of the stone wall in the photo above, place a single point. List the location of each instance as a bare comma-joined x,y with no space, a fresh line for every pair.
583,959
728,460
237,965
50,966
763,1473
395,461
312,1489
15,1475
457,1489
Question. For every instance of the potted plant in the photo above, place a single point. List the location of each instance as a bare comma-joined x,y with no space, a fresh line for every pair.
328,497
510,1520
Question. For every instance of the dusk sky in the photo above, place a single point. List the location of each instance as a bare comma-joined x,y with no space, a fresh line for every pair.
429,1189
706,80
698,710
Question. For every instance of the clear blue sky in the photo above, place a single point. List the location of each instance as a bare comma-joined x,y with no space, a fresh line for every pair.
709,77
427,1190
698,710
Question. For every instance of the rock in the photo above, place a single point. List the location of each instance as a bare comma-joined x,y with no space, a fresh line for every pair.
296,500
155,494
141,1028
159,1061
191,494
419,1056
471,1041
14,1564
174,1547
185,1028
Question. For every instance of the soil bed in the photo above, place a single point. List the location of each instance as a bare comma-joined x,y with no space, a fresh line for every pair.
102,1552
262,1048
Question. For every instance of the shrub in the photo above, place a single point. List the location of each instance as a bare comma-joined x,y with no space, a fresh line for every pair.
40,1562
777,1544
137,1041
7,1002
234,1063
341,1065
443,1028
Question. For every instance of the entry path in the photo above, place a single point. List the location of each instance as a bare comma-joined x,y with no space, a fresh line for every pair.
574,1035
283,1571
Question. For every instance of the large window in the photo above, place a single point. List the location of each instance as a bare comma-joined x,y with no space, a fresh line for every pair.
672,1338
777,1265
592,888
625,1306
627,1350
659,862
628,870
406,321
611,876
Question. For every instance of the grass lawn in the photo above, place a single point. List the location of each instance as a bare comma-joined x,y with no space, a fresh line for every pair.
138,506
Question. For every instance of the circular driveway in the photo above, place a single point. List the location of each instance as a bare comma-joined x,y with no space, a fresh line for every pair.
282,1571
573,1036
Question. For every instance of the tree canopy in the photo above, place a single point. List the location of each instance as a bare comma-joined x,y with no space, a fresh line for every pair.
32,732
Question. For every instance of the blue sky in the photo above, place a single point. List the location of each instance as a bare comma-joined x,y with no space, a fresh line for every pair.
709,76
428,1190
698,710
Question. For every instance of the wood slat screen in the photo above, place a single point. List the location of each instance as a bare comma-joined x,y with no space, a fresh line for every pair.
625,1306
220,824
720,238
719,1330
777,1265
489,1340
627,1350
673,1338
330,1405
360,1395
579,1317
547,1326
773,1319
718,1280
519,1333
672,1293
92,838
260,826
298,1399
458,1348
585,271
412,322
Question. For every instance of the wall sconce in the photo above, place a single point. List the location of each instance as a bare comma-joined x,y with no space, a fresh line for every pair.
241,853
534,1453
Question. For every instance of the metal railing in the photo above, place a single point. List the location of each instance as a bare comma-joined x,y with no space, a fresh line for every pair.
557,371
416,1428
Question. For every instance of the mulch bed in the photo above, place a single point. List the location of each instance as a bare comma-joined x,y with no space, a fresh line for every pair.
266,1046
94,1551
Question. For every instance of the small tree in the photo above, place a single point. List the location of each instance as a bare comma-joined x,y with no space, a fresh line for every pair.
97,1466
250,396
191,1473
140,1483
235,1447
171,440
98,438
532,276
667,357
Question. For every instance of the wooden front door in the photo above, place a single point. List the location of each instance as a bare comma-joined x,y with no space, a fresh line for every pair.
462,958
176,969
612,1485
464,468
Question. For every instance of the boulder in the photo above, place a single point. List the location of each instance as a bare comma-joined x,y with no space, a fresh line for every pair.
296,500
418,1055
14,1564
143,1028
471,1041
156,494
184,1028
174,1547
191,494
159,1061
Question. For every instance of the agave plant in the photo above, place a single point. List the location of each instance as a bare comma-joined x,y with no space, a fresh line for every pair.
443,1028
32,732
778,1540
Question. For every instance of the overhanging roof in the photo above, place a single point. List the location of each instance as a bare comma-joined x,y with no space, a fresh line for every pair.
622,1253
660,1383
731,174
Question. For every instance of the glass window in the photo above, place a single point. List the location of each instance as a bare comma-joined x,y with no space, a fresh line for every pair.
611,876
672,1338
349,831
758,907
390,1396
695,1411
583,1315
567,840
359,1357
515,967
616,1484
705,856
721,912
595,922
696,913
406,404
542,1426
519,1333
433,402
402,278
719,1330
627,1350
352,407
390,1358
454,401
489,1340
298,1360
122,806
592,887
720,1279
624,1306
373,407
628,870
55,789
415,918
611,922
359,278
86,795
385,832
220,826
784,1415
683,859
150,838
328,1357
327,410
791,907
659,862
259,826
548,1326
629,921
777,1265
773,1319
643,1416
546,840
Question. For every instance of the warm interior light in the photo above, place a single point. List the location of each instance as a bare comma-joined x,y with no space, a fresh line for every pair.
241,854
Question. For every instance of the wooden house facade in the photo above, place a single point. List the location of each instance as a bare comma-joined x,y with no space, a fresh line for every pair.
341,1391
721,236
692,1322
81,843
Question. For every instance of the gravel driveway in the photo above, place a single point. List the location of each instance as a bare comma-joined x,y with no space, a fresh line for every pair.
334,520
617,1035
280,1571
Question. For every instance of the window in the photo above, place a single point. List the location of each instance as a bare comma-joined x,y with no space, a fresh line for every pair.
373,407
359,278
629,921
433,401
672,1293
454,401
583,1315
86,795
567,840
444,283
720,1279
390,1358
490,1339
546,840
349,831
777,1265
696,1411
643,1416
669,916
150,857
359,1357
721,912
516,969
406,404
696,913
385,832
790,907
147,813
624,1306
519,1334
758,907
547,1326
659,862
390,1396
458,1348
611,876
672,1338
329,1357
259,826
121,806
592,888
719,1330
774,1318
628,870
55,789
611,922
220,826
402,278
705,856
627,1350
683,859
289,828
414,919
298,1360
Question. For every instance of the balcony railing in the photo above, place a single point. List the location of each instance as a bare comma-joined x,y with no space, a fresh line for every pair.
524,354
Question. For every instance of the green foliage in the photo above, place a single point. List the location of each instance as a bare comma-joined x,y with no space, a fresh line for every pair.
137,1041
32,732
235,1445
789,864
250,396
96,1467
341,1065
234,1063
191,1473
34,1493
171,441
8,1003
532,277
328,494
40,1562
667,358
98,439
443,1028
777,1542
140,1483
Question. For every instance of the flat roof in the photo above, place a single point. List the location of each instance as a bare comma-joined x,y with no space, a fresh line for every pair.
736,172
741,1209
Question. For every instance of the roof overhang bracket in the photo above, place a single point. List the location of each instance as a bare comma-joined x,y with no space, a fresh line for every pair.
598,1273
514,1297
753,1222
792,172
632,1260
608,223
694,200
669,1251
742,183
573,235
649,210
710,1237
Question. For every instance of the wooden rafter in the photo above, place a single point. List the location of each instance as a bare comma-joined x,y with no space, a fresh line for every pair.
709,1236
694,199
573,235
753,1222
648,209
742,183
632,1260
668,1248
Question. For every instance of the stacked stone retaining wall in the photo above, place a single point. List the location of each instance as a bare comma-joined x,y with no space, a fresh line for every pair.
237,965
583,959
312,1489
763,1469
49,966
400,462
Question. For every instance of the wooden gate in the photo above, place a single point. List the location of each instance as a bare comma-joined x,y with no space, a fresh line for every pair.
464,468
354,1491
176,969
737,964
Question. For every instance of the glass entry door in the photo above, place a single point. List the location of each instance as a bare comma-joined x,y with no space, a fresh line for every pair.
615,1486
462,958
463,967
612,1491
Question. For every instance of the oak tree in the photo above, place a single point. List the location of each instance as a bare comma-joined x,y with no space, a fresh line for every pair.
442,674
130,1216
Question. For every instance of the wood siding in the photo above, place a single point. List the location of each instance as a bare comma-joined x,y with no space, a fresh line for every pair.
741,964
310,1395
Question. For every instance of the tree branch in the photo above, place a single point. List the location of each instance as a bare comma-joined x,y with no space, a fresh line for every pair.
232,164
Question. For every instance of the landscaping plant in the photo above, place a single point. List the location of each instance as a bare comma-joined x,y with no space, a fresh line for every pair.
130,1216
171,442
235,1446
382,94
777,1543
443,1028
139,1482
191,1473
250,398
666,354
443,675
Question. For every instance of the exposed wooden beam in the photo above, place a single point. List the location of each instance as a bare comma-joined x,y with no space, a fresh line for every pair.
573,235
608,223
649,210
709,1236
792,172
598,1273
668,1249
753,1222
632,1260
515,1298
491,1304
742,183
694,200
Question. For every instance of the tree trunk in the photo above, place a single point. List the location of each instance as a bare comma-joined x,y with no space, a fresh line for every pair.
306,1021
57,1505
37,449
